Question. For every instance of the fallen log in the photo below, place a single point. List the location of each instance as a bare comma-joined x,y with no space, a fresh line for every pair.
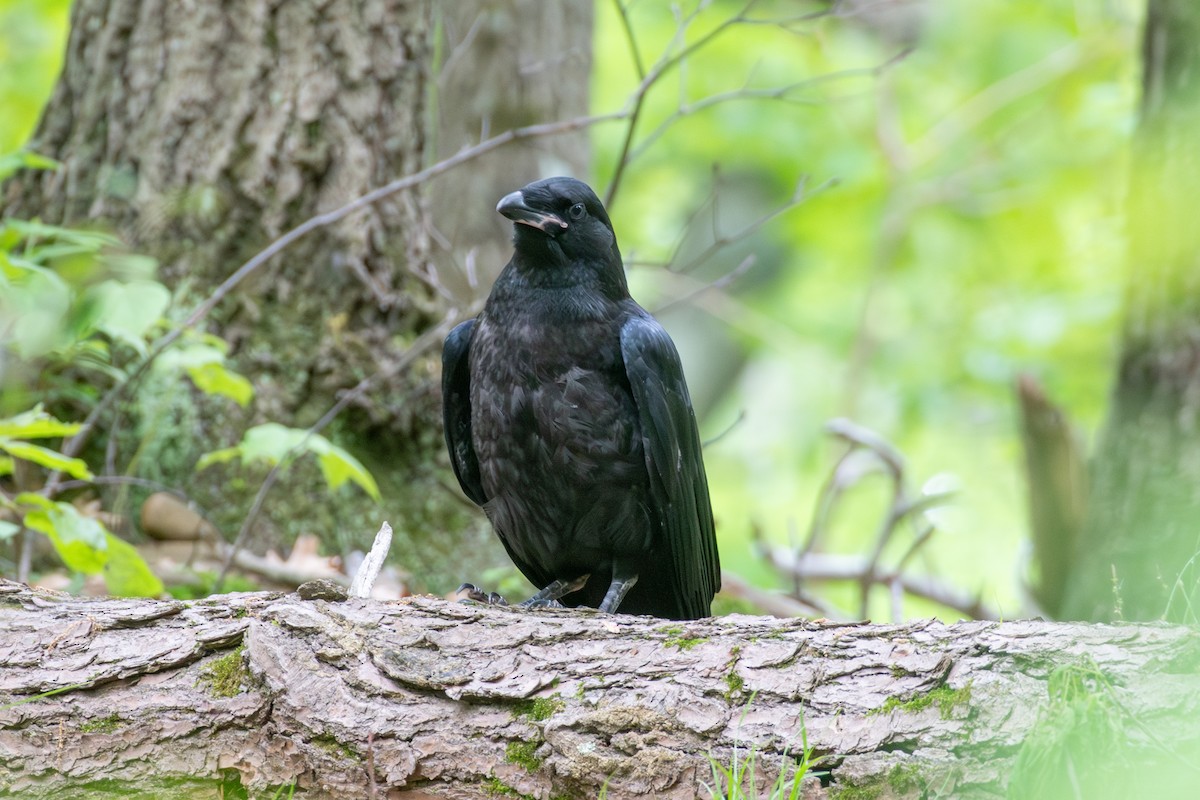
272,695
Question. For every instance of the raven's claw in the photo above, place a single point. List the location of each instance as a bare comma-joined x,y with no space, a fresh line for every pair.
470,591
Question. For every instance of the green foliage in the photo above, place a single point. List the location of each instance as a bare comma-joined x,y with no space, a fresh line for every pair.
63,285
23,159
205,582
974,232
202,358
77,311
272,443
1088,743
37,424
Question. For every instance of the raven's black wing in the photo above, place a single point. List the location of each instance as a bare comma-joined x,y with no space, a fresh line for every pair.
456,409
679,488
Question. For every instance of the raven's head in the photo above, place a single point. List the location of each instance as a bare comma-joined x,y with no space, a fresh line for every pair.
561,222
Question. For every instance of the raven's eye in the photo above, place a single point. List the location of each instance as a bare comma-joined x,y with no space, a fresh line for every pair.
577,211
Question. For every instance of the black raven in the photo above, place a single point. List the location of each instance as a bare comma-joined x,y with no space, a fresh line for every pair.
568,420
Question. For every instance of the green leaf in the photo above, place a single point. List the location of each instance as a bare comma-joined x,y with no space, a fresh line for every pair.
8,530
131,266
128,310
37,301
193,354
36,500
36,424
32,229
215,379
23,159
44,456
270,442
6,466
127,574
218,457
81,542
205,364
338,466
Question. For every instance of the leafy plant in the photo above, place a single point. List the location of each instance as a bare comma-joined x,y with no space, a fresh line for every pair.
85,545
82,542
77,312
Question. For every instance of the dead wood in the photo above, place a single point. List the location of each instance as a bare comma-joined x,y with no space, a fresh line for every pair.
428,698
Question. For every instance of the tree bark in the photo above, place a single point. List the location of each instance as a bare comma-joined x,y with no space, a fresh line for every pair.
1141,542
428,699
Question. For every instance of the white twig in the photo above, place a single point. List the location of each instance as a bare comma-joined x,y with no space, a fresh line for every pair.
368,571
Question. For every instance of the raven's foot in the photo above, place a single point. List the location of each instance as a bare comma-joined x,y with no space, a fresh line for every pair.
548,597
536,602
470,591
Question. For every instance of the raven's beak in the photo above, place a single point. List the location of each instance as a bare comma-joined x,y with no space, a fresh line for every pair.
513,206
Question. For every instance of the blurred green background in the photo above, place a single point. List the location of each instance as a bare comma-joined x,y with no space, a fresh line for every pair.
965,163
974,233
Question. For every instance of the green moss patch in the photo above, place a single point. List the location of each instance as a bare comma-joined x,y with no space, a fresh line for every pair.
523,754
226,675
539,709
945,698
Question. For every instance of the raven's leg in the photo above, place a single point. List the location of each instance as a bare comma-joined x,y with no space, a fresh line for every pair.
623,580
549,596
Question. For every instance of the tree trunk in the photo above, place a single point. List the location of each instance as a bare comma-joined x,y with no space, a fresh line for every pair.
504,64
1142,535
429,699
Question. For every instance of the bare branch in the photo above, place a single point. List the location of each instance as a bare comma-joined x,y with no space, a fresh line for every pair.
838,567
664,65
774,603
869,453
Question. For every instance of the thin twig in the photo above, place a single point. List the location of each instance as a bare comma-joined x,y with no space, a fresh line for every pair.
774,603
627,25
664,65
719,283
780,93
798,197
